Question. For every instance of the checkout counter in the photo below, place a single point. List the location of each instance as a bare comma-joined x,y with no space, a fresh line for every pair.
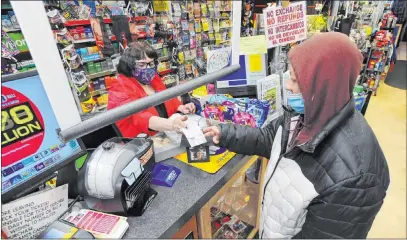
184,211
199,204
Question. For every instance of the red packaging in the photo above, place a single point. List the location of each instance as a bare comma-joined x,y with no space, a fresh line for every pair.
81,32
74,34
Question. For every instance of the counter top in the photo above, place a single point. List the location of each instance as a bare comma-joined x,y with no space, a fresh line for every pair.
173,207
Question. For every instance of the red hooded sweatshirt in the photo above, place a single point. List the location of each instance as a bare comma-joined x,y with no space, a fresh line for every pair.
326,67
127,89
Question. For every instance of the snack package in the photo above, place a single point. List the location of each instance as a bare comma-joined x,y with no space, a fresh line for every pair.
213,112
259,110
64,37
198,107
237,225
197,9
244,118
198,26
6,22
241,103
219,98
229,110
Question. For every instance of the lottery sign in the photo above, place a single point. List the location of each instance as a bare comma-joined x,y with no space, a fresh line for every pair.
22,126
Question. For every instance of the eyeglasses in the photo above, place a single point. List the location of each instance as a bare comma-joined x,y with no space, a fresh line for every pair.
143,65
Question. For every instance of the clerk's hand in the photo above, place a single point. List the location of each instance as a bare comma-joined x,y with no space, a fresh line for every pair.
179,122
187,108
213,132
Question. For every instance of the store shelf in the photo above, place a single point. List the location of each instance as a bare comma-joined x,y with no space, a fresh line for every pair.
101,74
373,70
12,29
93,60
73,23
6,6
381,49
84,40
98,92
165,72
15,76
164,58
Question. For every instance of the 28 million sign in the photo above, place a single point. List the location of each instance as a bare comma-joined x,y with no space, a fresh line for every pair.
22,126
284,25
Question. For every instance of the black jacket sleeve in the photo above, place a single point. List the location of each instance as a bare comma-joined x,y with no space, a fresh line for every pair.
345,210
248,140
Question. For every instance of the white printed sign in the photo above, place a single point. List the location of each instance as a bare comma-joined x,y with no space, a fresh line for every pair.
285,25
218,59
28,217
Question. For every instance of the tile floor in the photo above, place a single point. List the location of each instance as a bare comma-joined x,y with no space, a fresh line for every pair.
386,114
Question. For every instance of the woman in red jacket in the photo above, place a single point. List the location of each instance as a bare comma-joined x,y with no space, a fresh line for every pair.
137,79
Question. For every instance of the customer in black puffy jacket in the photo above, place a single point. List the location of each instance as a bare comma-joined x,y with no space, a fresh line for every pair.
327,175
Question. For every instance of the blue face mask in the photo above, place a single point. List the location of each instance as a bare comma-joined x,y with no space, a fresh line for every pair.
144,76
295,101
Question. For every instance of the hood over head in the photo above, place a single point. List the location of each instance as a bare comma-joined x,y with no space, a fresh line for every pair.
326,67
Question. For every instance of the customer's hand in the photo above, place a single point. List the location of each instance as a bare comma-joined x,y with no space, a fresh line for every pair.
179,122
187,108
213,132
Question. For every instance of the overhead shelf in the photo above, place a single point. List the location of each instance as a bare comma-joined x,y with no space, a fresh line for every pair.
73,23
93,60
84,40
12,29
101,74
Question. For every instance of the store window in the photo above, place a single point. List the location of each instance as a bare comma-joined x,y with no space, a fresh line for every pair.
15,55
92,36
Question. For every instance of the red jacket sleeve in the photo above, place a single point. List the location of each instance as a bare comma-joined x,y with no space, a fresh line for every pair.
141,122
172,104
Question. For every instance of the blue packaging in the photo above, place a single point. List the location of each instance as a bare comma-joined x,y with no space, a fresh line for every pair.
88,32
241,104
164,175
259,109
229,109
218,99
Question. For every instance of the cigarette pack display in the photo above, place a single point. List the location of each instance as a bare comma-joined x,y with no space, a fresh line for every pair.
226,226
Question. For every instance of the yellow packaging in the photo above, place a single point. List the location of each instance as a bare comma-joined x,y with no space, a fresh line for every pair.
88,105
181,58
102,99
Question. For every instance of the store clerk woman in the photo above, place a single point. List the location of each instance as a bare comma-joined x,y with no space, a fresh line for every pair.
137,79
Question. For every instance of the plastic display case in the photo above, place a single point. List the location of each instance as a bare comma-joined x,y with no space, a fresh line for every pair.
234,212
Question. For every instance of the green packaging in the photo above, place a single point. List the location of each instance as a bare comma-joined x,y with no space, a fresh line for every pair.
98,67
91,68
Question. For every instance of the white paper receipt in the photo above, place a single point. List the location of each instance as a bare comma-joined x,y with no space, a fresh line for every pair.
194,134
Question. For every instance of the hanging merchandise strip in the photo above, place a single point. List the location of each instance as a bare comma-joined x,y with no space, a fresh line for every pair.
181,31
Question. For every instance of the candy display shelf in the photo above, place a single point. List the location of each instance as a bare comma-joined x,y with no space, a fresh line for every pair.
85,40
73,23
101,74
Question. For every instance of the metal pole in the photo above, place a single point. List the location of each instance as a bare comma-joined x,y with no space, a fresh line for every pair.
276,57
113,115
